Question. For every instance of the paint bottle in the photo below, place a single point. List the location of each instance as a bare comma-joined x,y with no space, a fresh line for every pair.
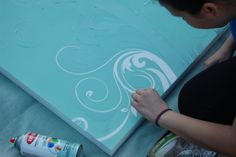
35,145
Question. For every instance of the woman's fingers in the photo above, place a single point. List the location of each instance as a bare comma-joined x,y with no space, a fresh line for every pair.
140,91
136,97
134,103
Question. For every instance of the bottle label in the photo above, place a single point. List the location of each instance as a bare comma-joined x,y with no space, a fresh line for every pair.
31,137
35,145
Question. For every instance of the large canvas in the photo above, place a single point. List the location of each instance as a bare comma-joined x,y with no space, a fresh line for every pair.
83,58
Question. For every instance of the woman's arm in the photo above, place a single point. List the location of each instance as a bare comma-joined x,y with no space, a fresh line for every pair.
221,138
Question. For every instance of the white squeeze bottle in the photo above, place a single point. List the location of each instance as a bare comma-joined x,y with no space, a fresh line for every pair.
35,145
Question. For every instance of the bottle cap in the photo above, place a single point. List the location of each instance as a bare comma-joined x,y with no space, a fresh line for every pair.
12,140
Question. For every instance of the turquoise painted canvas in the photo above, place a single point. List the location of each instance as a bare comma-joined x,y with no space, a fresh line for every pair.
83,58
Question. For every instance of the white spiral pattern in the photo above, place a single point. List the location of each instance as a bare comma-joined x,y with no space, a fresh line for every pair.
128,66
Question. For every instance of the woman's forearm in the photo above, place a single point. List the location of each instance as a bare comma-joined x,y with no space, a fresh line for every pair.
221,138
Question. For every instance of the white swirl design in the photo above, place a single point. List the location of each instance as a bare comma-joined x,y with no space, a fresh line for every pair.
131,68
134,57
88,94
82,122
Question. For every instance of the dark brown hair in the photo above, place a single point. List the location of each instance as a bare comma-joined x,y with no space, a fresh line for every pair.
190,6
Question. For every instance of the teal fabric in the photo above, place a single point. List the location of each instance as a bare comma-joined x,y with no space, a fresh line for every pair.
21,113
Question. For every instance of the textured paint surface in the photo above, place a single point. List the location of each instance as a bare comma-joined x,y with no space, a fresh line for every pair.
83,58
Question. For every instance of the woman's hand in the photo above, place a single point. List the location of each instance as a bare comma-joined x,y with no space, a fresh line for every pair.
224,53
148,103
220,56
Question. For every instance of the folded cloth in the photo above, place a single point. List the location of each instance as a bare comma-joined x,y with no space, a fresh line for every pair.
172,145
